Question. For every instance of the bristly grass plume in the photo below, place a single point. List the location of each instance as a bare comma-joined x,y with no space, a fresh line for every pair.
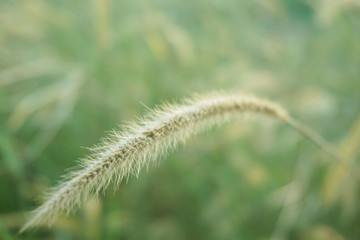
125,152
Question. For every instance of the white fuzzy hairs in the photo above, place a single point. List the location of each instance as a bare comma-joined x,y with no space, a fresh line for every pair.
126,152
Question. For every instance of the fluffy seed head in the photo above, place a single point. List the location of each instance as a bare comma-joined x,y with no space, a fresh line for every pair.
125,152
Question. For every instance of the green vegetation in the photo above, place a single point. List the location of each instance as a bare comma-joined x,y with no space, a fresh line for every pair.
70,71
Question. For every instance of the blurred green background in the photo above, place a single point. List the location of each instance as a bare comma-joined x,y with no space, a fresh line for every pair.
72,70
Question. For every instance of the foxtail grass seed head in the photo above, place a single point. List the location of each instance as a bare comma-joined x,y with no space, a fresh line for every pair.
126,152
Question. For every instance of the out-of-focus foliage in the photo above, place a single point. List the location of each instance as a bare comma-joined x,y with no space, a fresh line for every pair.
71,70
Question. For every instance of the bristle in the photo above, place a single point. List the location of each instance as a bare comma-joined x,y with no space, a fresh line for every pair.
125,153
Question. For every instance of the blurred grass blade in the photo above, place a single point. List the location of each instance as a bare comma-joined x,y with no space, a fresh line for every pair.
27,70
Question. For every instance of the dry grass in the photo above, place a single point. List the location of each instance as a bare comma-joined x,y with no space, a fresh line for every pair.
126,152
